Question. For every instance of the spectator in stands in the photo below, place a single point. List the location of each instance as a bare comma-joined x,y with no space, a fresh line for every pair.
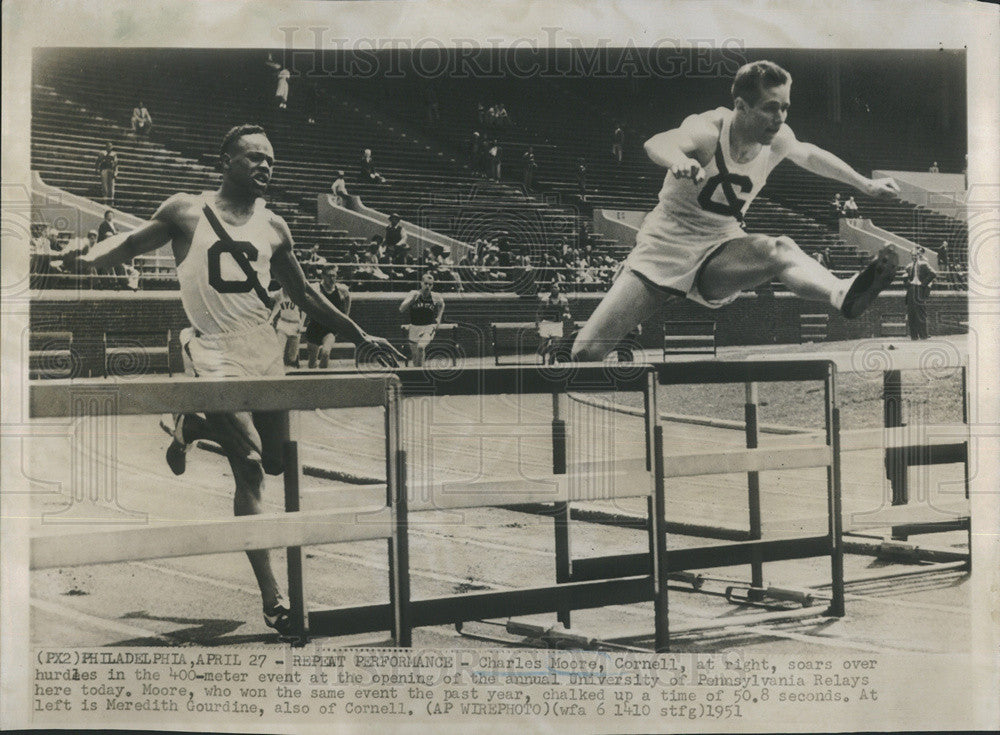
368,170
313,263
618,144
851,209
395,235
919,276
480,113
475,146
581,179
281,89
355,270
433,108
107,169
934,168
502,117
530,166
405,269
82,246
944,262
828,257
44,254
818,257
142,122
107,227
131,275
495,159
837,205
339,190
376,256
310,102
437,263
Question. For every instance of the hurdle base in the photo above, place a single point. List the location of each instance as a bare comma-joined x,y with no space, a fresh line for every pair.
484,605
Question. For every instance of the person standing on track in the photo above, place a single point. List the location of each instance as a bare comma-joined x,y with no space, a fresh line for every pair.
692,244
289,323
553,312
919,276
320,338
426,309
227,245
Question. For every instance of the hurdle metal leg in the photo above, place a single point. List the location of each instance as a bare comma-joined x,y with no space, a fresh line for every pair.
564,563
892,413
657,520
833,484
293,554
753,481
399,554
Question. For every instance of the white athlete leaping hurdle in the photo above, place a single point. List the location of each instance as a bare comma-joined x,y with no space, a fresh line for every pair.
692,244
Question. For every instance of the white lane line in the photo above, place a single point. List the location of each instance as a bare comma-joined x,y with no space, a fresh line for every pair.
895,602
832,641
112,626
193,577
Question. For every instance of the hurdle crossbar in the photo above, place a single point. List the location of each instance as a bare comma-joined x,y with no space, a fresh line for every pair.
521,329
243,533
67,398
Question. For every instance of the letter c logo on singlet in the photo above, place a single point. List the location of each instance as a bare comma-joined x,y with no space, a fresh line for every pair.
713,183
242,253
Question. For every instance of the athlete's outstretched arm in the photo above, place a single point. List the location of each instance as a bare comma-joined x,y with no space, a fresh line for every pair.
149,236
823,163
307,297
289,273
678,150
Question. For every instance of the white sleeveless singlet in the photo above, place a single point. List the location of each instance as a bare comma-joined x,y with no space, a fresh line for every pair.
693,220
225,275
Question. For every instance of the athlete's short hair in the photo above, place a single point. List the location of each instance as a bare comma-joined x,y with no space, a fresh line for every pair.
238,132
753,78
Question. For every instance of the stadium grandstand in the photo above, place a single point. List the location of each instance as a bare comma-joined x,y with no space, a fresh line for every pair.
468,211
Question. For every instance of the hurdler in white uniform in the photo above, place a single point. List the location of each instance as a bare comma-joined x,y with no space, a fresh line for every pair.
690,222
223,281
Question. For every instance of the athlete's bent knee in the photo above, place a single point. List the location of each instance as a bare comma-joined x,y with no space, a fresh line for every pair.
784,247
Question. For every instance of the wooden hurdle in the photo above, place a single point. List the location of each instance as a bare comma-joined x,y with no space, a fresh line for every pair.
591,583
688,338
907,446
290,530
526,336
753,551
581,583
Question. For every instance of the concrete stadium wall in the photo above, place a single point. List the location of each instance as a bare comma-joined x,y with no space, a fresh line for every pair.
943,193
365,222
765,319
